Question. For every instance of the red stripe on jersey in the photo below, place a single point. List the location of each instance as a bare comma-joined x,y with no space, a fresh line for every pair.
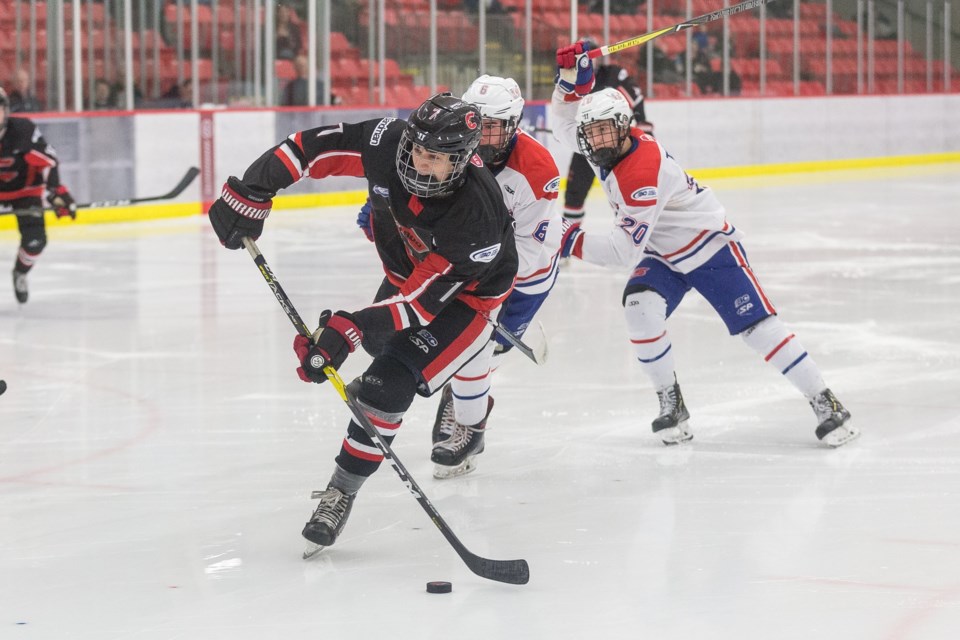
431,266
294,171
686,247
648,341
421,311
477,326
577,250
36,159
779,346
363,455
28,192
337,163
742,261
298,140
397,318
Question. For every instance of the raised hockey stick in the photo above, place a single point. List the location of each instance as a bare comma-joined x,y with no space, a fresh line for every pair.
185,181
538,355
509,571
689,24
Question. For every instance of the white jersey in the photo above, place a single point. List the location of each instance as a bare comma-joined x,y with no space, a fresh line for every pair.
530,182
661,211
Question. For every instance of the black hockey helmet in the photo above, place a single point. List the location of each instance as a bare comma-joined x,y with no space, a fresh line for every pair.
443,124
4,111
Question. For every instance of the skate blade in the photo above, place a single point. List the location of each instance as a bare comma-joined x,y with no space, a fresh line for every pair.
443,472
311,550
675,435
841,436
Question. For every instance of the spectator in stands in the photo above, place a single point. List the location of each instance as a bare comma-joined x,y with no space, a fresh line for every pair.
295,93
493,6
22,98
179,96
289,40
103,97
886,30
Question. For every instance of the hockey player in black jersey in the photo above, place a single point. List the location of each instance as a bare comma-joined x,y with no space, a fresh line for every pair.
28,172
446,241
580,175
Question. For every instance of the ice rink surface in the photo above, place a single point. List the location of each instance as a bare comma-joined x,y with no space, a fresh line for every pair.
157,450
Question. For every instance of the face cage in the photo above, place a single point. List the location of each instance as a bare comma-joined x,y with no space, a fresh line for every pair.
427,186
496,153
607,154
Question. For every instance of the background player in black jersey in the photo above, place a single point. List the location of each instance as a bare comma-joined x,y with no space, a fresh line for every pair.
28,171
580,175
446,241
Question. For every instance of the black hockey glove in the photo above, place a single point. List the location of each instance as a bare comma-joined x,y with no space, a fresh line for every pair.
240,211
63,203
337,337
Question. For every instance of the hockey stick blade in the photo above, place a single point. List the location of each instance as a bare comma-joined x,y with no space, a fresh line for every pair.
508,571
689,24
538,355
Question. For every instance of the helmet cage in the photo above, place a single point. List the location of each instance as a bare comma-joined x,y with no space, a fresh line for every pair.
495,148
427,185
604,150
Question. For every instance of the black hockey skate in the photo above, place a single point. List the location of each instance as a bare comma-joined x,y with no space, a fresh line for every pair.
456,446
20,286
327,521
833,429
671,424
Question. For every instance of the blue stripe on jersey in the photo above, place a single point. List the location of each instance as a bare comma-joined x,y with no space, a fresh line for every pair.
703,244
794,363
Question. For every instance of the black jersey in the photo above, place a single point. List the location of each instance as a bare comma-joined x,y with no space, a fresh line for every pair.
616,77
28,165
435,250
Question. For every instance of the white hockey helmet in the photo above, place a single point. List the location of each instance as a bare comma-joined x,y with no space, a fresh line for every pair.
602,143
498,99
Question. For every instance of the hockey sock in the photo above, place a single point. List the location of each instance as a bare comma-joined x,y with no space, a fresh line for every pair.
471,387
646,313
782,349
347,482
573,214
25,260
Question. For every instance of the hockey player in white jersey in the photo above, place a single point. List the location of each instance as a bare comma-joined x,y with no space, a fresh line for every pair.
529,180
674,234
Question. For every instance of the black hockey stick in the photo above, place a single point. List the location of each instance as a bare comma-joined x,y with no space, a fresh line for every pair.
185,181
509,571
692,22
538,355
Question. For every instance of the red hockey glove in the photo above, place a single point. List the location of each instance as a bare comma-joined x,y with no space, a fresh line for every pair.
574,70
572,241
238,212
63,203
337,337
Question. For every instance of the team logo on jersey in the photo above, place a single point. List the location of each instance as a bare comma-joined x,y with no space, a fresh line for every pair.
378,131
553,186
383,192
487,254
476,161
645,194
471,120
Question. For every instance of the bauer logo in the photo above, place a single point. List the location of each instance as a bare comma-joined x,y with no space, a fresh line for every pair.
378,131
486,255
644,194
553,186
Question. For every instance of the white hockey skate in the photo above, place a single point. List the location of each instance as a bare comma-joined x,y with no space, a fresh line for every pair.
327,521
672,424
20,289
834,428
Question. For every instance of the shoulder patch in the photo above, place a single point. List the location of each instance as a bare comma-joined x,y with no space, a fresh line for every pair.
553,186
644,194
476,161
486,254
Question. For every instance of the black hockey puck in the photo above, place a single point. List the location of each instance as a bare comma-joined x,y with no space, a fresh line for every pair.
439,587
3,387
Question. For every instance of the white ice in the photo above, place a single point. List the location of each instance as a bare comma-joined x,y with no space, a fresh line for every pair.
157,450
